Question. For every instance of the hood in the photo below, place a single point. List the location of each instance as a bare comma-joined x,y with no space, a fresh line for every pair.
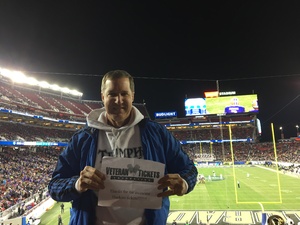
97,119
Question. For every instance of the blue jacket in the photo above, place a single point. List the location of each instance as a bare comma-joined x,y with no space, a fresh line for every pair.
158,145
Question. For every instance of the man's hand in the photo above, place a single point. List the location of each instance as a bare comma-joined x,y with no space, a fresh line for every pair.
175,183
90,178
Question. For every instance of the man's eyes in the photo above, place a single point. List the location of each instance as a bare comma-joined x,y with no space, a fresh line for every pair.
116,94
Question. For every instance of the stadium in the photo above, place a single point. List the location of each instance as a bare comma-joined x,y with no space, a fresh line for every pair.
241,180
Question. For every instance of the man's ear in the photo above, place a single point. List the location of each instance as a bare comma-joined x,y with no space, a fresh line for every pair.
132,96
102,96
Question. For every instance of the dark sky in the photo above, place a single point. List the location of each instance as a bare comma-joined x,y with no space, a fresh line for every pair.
173,49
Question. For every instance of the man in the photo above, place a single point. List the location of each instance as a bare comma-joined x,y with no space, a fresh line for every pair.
119,130
254,106
234,107
60,220
62,207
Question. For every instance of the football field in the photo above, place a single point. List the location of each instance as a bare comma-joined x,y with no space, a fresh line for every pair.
258,185
221,201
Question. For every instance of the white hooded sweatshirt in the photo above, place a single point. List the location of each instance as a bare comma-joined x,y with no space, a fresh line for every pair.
117,142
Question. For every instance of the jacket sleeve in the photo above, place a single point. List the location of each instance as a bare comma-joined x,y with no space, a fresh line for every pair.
62,184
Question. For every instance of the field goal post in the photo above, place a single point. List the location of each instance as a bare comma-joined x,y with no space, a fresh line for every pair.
277,171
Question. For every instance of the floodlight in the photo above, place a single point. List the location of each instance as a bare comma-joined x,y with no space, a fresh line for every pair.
44,84
31,81
75,92
6,73
54,87
65,90
18,77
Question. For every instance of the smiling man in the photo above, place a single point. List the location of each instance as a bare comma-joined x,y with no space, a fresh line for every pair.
118,130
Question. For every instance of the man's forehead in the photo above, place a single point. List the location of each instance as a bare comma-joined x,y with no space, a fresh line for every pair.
117,81
112,86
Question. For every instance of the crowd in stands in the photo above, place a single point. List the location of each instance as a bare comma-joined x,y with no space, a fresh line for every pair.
24,173
237,132
244,151
21,132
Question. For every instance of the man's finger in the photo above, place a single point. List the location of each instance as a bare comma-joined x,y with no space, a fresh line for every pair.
166,193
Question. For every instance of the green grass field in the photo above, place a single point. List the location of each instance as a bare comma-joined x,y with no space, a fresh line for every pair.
51,216
275,191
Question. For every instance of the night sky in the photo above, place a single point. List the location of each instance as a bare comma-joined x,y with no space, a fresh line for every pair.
174,49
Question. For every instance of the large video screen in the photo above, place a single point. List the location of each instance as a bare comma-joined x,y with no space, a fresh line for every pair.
221,105
195,106
232,104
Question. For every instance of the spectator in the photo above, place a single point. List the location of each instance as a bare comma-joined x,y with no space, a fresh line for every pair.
118,126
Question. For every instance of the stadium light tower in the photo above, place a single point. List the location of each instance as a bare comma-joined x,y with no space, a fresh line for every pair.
20,77
281,132
297,128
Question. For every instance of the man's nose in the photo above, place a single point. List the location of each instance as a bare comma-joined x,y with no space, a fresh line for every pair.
119,98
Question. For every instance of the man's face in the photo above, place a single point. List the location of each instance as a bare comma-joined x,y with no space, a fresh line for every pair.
117,98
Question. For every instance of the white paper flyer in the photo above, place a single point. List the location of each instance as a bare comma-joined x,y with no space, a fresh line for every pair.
131,183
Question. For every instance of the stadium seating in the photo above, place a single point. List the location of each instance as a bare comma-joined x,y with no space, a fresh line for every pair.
17,163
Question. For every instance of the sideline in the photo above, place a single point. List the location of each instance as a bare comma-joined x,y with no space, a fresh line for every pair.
275,171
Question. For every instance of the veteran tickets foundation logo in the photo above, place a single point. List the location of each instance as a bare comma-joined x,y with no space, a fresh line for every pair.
132,173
